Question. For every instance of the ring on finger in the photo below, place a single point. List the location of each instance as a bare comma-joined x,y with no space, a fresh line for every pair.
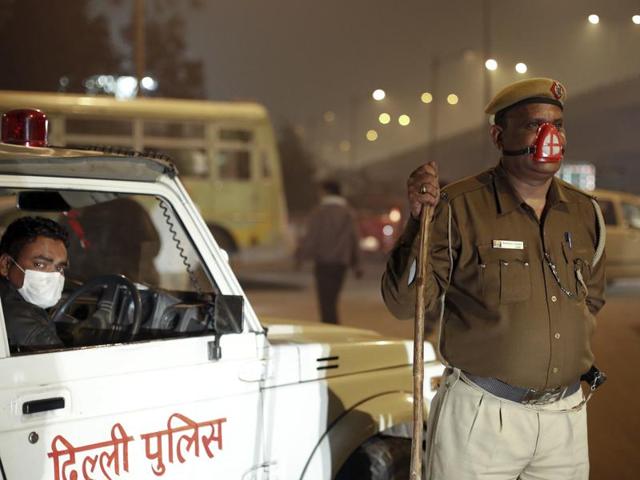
423,189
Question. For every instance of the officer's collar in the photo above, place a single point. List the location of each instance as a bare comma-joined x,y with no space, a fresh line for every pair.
508,199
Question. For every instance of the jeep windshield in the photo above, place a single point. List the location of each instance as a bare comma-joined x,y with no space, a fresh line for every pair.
120,247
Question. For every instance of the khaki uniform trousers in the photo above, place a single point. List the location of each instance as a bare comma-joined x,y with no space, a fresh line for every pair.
473,434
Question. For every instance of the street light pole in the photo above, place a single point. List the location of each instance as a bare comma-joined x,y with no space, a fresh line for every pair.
353,131
355,102
486,47
433,117
139,40
436,63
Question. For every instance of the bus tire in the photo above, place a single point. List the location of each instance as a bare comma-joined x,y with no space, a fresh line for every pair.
224,239
379,458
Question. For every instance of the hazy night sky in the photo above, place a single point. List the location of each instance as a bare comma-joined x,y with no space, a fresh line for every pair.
303,58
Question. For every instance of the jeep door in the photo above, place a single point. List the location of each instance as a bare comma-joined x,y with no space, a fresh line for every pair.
178,399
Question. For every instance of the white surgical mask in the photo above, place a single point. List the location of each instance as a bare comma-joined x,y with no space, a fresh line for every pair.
43,289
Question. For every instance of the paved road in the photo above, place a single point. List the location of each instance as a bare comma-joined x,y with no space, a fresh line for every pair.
614,412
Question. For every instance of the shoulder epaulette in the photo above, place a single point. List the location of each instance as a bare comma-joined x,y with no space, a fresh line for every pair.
466,185
575,189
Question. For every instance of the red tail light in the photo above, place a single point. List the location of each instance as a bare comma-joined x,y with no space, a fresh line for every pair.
25,127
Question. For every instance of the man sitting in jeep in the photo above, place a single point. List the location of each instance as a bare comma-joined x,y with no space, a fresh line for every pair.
33,259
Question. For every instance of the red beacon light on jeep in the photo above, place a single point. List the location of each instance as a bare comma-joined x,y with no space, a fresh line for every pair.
26,127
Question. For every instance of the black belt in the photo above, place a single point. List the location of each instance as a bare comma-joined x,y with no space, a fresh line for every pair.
520,394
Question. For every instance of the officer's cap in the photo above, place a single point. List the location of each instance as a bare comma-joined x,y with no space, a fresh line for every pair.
532,90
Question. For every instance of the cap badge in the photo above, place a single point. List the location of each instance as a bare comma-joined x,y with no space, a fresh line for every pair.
557,90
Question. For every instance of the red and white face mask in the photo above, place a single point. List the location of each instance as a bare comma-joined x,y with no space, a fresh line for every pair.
548,146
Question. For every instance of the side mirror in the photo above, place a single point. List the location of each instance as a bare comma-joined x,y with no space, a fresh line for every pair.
227,318
227,314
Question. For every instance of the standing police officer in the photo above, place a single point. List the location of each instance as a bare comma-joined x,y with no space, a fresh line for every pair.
515,278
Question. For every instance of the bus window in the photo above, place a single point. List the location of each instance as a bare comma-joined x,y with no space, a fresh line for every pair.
608,211
266,165
236,135
234,164
173,129
191,162
102,126
631,214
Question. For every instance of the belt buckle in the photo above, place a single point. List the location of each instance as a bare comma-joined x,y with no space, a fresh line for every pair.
543,397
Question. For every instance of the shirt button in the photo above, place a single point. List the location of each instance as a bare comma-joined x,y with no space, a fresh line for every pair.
554,298
555,370
557,336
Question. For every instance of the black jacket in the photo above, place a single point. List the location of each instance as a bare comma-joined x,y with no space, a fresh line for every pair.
27,325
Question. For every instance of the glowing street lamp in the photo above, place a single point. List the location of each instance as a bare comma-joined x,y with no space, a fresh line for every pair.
126,87
384,118
426,97
378,94
372,135
404,120
149,83
491,64
452,99
521,67
636,19
594,19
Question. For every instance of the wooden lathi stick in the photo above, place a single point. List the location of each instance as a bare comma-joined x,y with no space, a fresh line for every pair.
418,345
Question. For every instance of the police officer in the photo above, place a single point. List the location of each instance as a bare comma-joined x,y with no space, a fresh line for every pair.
515,278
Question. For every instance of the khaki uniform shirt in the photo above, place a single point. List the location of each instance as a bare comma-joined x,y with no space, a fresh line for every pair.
505,314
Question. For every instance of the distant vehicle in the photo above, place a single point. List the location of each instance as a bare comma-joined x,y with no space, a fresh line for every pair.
621,213
379,230
225,152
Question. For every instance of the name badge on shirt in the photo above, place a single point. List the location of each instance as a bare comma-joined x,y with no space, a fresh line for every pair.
508,244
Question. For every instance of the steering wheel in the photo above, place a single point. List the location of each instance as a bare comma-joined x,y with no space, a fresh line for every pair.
110,284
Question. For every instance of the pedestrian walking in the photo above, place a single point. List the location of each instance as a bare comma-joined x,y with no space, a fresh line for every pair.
332,243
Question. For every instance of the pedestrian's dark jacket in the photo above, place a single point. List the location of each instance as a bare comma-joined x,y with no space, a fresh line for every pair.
27,325
505,314
332,234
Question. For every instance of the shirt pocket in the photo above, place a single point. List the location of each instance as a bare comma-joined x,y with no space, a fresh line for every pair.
505,275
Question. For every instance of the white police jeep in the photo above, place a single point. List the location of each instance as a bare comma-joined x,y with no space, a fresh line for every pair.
166,371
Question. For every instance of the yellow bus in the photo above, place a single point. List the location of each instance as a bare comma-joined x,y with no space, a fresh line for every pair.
225,152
